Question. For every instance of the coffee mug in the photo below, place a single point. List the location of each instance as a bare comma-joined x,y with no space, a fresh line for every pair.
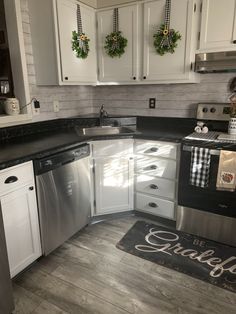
12,106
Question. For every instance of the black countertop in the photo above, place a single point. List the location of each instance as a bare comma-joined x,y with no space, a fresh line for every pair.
28,147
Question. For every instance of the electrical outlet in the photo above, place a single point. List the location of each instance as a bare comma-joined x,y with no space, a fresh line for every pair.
36,107
56,106
152,103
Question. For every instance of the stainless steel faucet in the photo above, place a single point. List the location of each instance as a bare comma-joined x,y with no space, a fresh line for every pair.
102,115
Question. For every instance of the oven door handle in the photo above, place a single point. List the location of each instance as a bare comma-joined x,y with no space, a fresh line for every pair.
214,152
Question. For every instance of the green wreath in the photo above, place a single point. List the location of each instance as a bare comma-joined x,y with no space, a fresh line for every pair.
115,44
80,44
165,41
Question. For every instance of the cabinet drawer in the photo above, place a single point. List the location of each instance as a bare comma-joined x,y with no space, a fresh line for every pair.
118,148
155,186
154,148
164,168
155,206
14,177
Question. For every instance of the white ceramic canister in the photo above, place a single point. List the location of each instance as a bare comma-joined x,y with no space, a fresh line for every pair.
12,106
232,126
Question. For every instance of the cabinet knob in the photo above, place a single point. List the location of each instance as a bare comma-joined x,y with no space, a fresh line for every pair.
234,41
154,149
144,77
11,179
153,205
153,167
31,188
66,78
134,78
153,186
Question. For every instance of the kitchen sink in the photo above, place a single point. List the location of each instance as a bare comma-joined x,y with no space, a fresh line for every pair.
104,130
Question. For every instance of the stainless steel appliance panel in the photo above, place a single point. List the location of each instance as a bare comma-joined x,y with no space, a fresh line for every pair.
207,199
64,202
208,225
6,294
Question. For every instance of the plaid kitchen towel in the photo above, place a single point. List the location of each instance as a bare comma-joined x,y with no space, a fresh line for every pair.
200,166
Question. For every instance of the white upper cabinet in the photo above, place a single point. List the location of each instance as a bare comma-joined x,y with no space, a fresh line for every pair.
125,68
218,25
52,23
176,67
74,69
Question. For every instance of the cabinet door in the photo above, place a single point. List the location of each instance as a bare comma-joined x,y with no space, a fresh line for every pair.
73,69
170,67
218,27
20,218
113,185
125,68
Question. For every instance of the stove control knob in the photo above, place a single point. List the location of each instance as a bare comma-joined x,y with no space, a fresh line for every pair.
205,110
213,110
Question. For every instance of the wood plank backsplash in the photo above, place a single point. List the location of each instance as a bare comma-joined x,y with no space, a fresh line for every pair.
173,100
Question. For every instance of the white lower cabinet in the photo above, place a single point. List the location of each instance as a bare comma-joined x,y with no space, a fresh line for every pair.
113,176
155,186
156,165
155,206
20,217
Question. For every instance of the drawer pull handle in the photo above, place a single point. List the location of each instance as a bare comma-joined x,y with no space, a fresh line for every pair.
31,188
154,149
154,186
153,167
153,205
11,179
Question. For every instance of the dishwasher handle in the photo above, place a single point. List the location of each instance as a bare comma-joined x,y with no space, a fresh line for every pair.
67,161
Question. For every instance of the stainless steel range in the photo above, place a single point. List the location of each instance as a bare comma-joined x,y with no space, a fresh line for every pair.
204,209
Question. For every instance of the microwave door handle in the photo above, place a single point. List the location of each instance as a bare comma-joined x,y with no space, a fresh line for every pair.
214,152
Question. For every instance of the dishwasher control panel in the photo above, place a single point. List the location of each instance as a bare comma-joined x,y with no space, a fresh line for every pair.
57,160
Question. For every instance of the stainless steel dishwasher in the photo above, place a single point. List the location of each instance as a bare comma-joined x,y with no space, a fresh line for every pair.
63,192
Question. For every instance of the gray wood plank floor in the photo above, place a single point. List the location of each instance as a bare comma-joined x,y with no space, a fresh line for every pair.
89,275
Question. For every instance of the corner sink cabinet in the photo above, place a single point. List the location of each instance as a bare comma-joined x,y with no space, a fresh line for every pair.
20,216
146,176
113,176
218,26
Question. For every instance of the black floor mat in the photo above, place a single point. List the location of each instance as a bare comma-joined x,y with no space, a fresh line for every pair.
197,257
